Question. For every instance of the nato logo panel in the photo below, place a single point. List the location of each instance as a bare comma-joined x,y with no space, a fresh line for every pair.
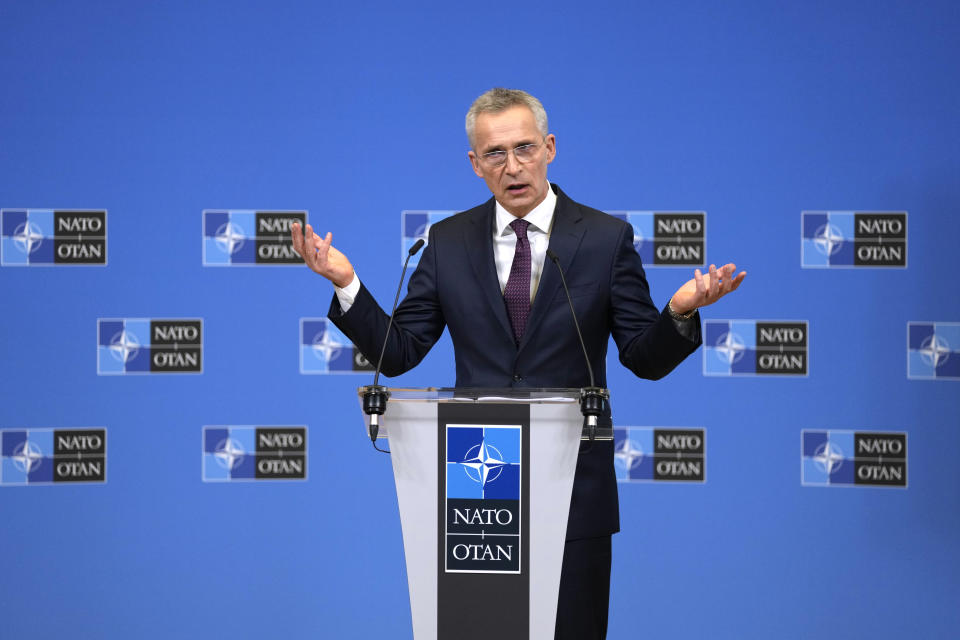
245,237
248,454
847,239
648,454
45,237
668,238
52,456
137,346
325,349
843,458
415,225
755,348
933,350
483,476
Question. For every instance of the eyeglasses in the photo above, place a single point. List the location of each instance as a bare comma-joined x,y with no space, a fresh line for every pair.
524,153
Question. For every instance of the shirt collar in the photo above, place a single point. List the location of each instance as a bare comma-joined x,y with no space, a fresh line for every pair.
540,217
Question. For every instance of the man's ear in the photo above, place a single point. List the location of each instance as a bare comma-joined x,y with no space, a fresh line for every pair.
475,163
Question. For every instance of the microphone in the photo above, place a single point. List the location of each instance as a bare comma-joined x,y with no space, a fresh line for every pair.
375,396
592,397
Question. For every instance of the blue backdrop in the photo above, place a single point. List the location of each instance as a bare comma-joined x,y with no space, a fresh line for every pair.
751,111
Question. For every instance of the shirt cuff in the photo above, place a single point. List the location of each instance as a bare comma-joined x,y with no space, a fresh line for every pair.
348,294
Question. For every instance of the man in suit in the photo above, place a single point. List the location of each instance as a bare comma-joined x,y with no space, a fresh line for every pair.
484,276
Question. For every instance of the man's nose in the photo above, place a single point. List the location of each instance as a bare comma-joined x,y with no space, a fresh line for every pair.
513,165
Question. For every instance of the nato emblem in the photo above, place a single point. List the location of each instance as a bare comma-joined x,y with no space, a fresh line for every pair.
483,465
52,456
246,454
647,454
668,238
838,458
933,350
324,349
755,348
244,237
841,239
131,346
32,237
415,225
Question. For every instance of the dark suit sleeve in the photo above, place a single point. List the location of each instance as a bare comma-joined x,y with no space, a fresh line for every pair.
647,339
417,324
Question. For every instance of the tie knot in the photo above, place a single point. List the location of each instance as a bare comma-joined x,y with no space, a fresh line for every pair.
519,227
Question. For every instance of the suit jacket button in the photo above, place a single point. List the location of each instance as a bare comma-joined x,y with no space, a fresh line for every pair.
517,377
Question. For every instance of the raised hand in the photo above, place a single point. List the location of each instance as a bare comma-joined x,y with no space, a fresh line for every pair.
706,289
321,256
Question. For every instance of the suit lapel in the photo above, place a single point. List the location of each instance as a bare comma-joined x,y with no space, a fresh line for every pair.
478,243
565,237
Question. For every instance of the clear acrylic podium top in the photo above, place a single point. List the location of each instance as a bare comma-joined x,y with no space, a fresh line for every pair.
491,396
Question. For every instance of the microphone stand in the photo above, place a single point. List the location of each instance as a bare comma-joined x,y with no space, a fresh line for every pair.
592,397
375,396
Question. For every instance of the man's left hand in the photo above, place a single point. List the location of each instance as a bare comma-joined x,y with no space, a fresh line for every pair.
706,289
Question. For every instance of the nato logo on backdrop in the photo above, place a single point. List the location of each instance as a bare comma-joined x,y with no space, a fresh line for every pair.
843,239
34,237
324,349
668,238
483,476
415,225
933,350
840,458
648,454
246,454
52,456
131,346
755,348
244,237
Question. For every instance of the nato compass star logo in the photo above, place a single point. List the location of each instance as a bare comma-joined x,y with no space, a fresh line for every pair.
629,454
828,457
27,457
326,346
729,348
932,350
415,225
483,463
229,453
124,346
27,237
230,238
828,239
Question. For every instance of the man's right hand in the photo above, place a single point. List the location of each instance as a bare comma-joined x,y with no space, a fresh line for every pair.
320,256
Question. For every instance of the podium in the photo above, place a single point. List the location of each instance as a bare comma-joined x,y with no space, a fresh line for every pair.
483,478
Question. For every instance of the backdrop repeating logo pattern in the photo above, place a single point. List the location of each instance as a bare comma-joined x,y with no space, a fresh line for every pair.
415,225
668,238
35,237
244,237
325,349
755,348
247,453
832,239
649,454
483,476
853,458
131,346
933,350
52,456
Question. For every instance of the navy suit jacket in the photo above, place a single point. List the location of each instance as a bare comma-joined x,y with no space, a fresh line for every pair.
456,286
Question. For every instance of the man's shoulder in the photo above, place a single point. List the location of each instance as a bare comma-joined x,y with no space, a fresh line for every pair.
594,217
461,218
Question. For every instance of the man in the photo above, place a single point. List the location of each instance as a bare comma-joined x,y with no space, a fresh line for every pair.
484,276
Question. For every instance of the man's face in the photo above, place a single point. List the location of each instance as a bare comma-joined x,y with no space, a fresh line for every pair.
519,187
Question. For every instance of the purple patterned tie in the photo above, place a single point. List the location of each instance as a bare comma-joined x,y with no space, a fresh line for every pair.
517,292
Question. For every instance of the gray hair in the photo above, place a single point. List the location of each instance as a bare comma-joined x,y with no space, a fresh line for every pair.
500,99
